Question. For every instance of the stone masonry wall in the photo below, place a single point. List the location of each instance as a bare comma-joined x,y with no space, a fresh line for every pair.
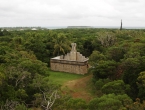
71,67
72,62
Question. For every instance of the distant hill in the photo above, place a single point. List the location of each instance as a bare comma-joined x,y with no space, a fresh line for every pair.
79,27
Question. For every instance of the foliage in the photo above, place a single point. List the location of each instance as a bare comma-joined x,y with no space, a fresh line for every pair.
116,58
116,87
96,57
115,53
76,104
107,39
105,69
141,78
21,107
110,102
141,85
61,44
100,83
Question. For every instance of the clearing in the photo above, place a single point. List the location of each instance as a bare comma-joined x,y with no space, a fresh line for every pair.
78,86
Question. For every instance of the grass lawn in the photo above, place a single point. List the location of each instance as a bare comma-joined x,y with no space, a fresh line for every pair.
62,77
77,86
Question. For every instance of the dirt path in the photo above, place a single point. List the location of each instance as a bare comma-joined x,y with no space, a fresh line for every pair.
80,88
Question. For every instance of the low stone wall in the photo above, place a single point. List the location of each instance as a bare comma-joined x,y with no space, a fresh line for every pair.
69,66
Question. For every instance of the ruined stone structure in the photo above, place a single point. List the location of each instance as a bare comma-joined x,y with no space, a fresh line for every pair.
72,62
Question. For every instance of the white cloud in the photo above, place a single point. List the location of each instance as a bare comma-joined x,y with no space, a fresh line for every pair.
72,12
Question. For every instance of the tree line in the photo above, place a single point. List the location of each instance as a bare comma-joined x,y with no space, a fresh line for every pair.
117,59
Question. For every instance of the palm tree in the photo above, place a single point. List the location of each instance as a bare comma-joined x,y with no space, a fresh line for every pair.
61,44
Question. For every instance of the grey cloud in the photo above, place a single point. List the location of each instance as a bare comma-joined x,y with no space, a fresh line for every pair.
76,12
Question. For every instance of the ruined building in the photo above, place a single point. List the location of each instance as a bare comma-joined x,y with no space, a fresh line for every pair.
72,62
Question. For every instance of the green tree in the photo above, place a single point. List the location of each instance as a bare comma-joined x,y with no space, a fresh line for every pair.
141,78
110,102
115,53
116,87
1,33
107,39
105,69
37,43
61,44
141,85
21,107
5,32
131,68
96,57
78,104
100,83
2,77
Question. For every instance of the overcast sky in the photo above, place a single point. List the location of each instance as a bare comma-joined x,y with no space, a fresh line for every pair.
72,13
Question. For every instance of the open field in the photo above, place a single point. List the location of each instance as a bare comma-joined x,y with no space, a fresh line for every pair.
78,86
62,77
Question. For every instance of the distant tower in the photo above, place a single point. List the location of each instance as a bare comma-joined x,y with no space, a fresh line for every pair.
121,25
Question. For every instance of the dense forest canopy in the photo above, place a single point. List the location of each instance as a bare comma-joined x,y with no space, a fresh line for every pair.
116,58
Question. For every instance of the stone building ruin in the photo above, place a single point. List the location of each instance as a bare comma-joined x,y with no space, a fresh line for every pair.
72,62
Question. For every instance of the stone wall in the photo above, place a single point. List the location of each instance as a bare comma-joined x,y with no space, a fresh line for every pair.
69,66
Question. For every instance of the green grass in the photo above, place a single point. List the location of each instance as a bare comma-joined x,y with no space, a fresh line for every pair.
62,77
